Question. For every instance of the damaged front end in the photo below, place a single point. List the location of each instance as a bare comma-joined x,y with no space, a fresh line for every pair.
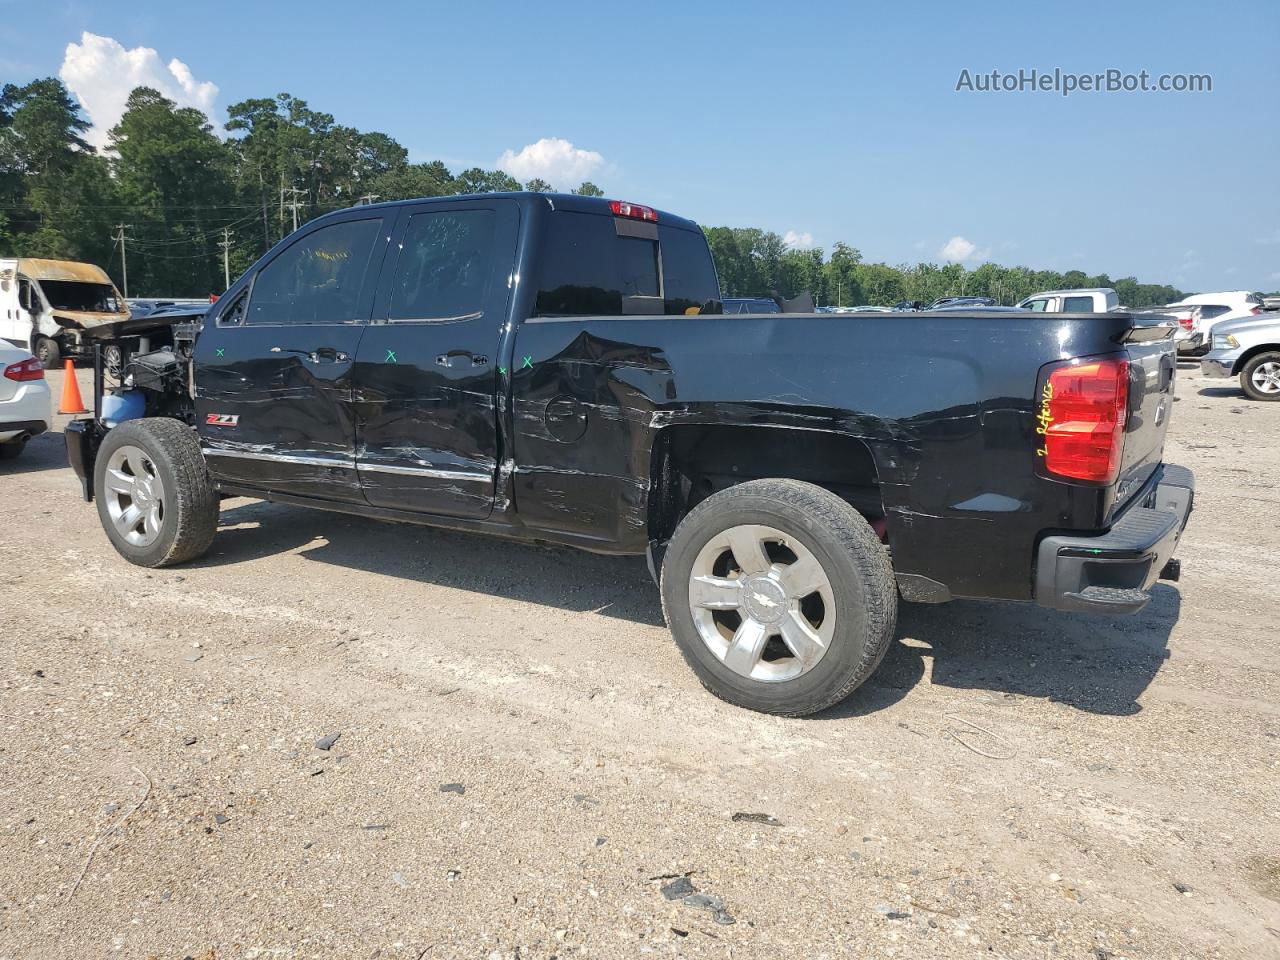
129,384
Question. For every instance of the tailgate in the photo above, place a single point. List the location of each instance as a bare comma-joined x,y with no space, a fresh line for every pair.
1152,367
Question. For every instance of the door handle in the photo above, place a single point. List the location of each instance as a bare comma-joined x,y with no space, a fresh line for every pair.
328,355
319,355
461,358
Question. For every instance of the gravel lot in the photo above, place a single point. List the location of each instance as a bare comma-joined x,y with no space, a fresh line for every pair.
525,761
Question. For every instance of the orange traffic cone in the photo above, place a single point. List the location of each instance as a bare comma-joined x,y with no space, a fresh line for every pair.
71,402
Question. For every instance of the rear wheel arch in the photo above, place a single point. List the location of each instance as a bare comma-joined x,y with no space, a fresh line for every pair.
691,462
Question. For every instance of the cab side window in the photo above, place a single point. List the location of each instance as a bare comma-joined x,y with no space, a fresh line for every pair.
317,279
1077,305
1037,305
444,268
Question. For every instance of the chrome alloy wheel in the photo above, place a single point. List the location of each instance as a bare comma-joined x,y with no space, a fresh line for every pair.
762,603
1266,377
134,495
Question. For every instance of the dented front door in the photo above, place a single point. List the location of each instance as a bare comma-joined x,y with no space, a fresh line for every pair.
274,363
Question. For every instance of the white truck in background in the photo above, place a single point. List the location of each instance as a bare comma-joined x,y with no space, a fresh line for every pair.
46,305
1086,300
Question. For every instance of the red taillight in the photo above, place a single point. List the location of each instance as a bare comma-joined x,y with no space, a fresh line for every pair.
1083,408
1185,322
24,370
1255,311
621,208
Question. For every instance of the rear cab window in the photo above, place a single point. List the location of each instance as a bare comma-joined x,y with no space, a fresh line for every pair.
599,265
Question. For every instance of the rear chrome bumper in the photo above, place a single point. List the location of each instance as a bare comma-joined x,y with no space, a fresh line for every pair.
1113,572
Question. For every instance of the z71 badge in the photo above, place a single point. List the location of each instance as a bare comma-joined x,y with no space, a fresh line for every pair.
223,419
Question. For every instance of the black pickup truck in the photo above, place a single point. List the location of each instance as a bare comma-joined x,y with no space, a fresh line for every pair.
557,369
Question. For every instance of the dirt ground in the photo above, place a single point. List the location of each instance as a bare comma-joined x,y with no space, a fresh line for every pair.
524,761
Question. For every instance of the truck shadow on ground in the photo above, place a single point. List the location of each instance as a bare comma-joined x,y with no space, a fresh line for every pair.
1095,664
553,576
1092,663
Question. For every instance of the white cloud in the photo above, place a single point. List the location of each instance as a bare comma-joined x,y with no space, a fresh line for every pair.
960,250
799,239
557,161
102,74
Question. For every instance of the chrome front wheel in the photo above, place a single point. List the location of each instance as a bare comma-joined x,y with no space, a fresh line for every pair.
134,496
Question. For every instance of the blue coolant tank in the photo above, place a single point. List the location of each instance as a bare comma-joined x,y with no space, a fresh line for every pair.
121,405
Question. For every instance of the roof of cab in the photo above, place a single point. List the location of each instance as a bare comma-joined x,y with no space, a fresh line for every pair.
556,201
38,269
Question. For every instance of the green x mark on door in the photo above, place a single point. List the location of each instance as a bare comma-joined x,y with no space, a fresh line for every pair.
503,371
528,364
391,357
222,351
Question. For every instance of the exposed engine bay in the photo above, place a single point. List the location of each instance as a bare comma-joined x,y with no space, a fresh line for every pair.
163,377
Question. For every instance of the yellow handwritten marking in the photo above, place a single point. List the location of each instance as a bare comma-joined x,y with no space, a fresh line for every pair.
1045,418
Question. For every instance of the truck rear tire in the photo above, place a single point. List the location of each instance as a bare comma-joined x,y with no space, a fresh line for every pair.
1260,377
780,596
155,498
48,352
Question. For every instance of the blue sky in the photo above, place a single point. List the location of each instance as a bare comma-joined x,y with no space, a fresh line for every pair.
834,121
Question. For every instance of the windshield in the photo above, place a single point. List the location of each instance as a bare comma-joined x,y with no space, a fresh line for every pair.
75,295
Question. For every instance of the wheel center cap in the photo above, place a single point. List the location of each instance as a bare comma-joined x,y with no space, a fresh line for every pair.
764,599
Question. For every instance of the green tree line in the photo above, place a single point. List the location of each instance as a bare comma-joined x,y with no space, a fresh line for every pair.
757,263
187,198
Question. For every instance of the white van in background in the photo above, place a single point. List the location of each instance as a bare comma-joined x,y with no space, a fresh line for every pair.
46,305
1088,300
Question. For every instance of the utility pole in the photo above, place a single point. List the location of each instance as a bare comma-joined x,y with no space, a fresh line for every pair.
124,263
226,256
293,204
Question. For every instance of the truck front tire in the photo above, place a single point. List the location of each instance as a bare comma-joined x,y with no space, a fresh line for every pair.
48,352
155,498
1260,378
780,596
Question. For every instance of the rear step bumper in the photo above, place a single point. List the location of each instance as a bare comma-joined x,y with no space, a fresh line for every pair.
1113,573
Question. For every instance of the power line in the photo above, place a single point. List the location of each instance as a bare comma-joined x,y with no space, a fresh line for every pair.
201,237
